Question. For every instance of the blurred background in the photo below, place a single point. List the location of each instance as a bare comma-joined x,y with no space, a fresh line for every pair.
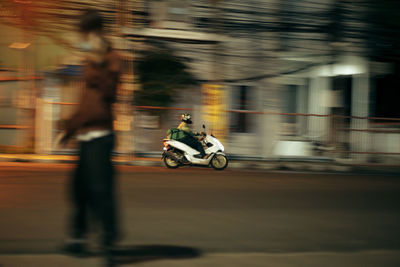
271,78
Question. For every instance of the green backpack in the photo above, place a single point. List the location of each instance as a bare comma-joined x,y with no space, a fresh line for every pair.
175,134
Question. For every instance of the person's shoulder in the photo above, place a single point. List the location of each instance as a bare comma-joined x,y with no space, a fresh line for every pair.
115,59
182,126
114,55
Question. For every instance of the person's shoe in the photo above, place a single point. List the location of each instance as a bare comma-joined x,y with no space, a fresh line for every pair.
76,249
110,260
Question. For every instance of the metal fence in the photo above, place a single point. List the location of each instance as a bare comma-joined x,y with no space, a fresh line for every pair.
369,139
364,140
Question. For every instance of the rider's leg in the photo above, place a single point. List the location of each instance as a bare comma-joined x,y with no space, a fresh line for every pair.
195,144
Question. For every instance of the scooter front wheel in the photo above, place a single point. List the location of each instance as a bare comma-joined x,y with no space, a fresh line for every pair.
170,162
219,162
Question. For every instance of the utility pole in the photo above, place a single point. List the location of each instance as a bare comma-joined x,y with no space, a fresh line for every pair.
216,24
218,101
124,112
26,89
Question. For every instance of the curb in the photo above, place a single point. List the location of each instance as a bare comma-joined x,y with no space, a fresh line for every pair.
369,258
270,165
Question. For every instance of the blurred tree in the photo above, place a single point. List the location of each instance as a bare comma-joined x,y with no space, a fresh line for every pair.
383,42
162,77
383,34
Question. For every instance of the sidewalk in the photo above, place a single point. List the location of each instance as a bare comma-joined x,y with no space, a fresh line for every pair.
310,259
299,164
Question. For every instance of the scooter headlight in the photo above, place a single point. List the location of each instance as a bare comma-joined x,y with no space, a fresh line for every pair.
165,144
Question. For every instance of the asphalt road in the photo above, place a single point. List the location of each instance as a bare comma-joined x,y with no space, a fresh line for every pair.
214,212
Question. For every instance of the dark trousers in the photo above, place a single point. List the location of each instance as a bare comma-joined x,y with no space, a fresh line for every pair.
93,189
193,143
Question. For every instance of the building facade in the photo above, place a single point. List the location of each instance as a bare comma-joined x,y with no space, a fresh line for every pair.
289,82
293,78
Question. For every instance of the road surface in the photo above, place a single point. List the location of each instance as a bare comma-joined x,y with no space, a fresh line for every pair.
233,211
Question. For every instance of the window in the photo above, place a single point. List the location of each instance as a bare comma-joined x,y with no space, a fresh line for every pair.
290,102
385,97
177,10
169,14
242,101
158,13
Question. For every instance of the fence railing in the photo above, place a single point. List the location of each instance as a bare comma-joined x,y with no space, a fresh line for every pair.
372,139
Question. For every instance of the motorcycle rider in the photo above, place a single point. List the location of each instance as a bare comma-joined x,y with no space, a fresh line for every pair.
190,138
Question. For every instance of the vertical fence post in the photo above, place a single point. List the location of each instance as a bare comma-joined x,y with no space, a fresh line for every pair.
317,128
270,133
44,127
38,126
359,107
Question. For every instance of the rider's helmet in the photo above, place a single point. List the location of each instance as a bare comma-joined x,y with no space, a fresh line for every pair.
187,118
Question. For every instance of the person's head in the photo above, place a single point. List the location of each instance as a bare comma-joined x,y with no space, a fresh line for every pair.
186,118
93,42
91,21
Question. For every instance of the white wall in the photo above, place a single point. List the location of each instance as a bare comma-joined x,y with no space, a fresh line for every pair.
317,104
360,141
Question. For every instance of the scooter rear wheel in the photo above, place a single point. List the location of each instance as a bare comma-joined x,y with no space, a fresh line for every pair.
219,162
170,162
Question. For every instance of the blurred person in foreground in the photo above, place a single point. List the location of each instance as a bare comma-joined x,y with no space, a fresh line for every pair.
92,187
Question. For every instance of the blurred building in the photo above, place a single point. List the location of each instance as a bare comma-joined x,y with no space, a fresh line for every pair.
40,79
302,64
292,73
23,55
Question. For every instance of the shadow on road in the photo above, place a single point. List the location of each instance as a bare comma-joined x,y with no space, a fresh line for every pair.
136,254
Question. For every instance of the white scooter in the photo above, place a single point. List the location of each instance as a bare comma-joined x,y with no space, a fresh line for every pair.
177,153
